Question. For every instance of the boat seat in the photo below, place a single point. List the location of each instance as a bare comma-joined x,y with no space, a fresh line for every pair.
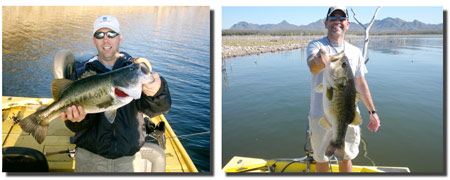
153,158
63,64
22,159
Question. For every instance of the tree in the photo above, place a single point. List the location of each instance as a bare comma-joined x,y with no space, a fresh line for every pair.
366,40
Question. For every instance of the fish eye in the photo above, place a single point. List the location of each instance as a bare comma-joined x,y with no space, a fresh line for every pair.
344,64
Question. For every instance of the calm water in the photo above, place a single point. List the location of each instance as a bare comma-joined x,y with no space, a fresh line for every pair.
175,39
266,103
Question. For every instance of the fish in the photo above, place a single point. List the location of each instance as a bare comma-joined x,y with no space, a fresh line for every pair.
339,101
96,93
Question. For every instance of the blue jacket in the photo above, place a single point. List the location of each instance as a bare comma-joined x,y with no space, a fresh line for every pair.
126,135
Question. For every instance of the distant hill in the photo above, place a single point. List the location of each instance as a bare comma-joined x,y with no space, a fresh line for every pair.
385,25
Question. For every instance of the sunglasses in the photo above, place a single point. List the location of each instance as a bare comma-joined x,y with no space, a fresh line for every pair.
334,18
101,35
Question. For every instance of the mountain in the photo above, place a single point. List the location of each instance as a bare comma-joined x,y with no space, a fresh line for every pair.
385,25
284,25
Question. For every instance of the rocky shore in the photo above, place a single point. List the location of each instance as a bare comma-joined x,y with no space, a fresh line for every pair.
233,46
233,51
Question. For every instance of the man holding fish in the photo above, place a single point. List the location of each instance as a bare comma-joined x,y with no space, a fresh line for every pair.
113,144
338,83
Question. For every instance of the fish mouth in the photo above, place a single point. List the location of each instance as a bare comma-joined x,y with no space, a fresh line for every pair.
145,70
337,56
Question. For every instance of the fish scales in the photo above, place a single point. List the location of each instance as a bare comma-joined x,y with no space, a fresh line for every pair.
85,97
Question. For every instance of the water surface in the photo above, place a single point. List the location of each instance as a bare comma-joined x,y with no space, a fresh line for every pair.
266,104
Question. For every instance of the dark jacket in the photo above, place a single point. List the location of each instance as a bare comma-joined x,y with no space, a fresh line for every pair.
126,135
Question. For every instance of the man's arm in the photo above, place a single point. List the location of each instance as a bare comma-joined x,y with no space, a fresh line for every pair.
364,91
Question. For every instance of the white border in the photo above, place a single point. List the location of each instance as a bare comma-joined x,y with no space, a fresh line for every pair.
216,6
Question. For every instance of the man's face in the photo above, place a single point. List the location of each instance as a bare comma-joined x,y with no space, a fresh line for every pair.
337,26
108,48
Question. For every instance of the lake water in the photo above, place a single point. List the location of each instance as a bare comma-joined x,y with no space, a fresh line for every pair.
266,103
175,39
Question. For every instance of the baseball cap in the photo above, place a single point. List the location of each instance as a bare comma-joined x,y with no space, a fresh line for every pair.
106,21
334,8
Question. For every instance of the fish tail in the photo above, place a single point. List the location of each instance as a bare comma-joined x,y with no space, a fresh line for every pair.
31,124
331,149
337,149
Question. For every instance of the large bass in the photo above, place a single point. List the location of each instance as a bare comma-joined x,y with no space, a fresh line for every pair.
96,93
339,102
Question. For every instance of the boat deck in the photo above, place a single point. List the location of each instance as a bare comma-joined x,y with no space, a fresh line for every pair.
58,137
255,165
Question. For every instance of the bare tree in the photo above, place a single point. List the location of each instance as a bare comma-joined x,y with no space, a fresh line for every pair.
366,28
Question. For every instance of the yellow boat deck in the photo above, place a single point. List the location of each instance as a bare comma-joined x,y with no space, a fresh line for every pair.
254,165
58,137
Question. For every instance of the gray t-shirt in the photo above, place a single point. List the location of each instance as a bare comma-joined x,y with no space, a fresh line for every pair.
355,59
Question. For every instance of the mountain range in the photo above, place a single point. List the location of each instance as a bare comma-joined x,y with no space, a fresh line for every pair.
385,25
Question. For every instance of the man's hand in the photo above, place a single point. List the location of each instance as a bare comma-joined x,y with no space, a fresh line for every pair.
317,61
374,123
73,114
150,89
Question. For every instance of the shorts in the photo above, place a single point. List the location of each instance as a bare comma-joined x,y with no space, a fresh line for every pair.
86,161
321,137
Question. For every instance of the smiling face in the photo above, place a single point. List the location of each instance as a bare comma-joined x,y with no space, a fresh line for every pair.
108,48
337,27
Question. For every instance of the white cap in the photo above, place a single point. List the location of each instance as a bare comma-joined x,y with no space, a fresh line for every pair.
334,8
106,21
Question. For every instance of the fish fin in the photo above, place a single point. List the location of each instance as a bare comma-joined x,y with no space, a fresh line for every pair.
324,123
357,120
336,149
339,153
58,85
111,115
32,124
87,74
358,97
330,91
331,148
319,88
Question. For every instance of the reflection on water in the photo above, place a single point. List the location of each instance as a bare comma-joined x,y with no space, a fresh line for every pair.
271,100
394,44
175,39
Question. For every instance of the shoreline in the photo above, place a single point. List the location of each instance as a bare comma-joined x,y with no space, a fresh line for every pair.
235,46
232,51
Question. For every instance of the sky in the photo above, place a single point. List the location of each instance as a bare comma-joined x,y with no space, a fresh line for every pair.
305,15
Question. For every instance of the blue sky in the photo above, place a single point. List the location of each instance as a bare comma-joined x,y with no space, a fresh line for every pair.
305,15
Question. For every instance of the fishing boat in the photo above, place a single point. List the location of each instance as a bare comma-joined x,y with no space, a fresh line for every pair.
306,164
56,153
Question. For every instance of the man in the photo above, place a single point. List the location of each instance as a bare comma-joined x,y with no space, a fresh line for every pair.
337,24
113,147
